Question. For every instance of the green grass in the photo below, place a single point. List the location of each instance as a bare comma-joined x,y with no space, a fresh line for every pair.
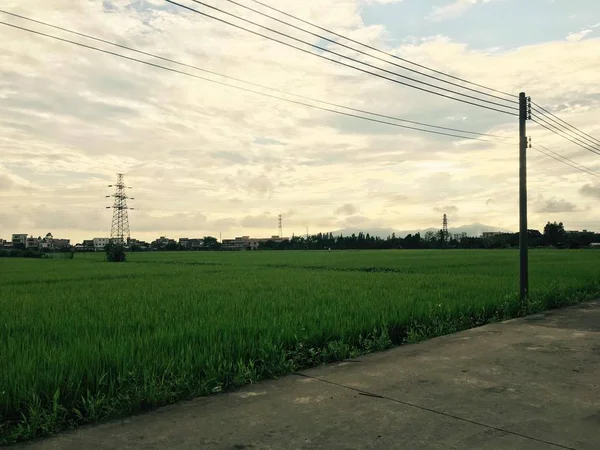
84,340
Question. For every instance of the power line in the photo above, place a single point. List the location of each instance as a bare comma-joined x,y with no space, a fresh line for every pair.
553,129
578,134
249,82
320,36
570,160
380,51
568,133
245,89
346,57
565,160
597,141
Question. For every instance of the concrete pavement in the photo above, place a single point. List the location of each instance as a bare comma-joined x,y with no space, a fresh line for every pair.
531,383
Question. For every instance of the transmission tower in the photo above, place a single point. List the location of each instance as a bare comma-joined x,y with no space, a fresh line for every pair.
445,228
119,230
280,220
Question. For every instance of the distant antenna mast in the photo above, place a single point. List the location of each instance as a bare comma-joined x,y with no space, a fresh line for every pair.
280,220
119,230
445,228
307,237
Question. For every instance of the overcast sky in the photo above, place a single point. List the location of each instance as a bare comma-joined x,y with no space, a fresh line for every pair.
203,158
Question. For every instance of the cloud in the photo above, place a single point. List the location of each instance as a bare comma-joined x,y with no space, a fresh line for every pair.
381,2
194,151
267,141
590,190
450,209
259,221
556,206
260,185
346,210
453,10
574,37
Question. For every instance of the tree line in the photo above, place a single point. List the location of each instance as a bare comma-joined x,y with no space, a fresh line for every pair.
553,235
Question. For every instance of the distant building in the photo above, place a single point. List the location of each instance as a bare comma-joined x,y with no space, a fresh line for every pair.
61,244
50,243
458,236
595,245
19,240
140,245
32,243
489,234
100,243
248,243
191,243
162,242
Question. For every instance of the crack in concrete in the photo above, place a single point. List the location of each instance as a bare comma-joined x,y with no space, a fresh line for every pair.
423,408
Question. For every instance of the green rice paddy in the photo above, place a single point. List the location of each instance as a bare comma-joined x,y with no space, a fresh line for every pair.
83,340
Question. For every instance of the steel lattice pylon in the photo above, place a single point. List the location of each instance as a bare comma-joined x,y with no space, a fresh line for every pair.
119,230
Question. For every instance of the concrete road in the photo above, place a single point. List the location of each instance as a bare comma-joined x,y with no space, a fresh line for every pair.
525,384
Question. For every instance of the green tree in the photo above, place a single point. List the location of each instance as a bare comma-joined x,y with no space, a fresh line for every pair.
115,253
554,233
211,243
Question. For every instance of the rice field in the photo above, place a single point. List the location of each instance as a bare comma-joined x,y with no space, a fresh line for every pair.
83,340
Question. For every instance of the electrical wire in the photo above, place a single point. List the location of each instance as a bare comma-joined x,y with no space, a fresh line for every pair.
349,65
565,160
592,138
245,89
555,125
249,82
380,51
568,159
578,134
559,133
320,36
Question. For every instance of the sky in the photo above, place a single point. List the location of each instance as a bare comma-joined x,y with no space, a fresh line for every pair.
207,159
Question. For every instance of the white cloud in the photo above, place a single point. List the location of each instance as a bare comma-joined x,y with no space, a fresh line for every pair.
381,2
453,10
347,209
574,37
194,151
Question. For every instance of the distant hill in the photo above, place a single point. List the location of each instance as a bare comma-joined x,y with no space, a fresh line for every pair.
474,229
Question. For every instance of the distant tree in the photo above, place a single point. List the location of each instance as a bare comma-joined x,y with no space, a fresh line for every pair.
555,234
172,246
115,253
442,238
211,243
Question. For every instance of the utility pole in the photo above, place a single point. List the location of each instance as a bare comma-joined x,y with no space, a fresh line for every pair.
119,230
524,114
280,220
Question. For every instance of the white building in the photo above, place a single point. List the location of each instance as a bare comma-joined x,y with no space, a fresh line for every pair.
100,243
19,239
248,243
32,242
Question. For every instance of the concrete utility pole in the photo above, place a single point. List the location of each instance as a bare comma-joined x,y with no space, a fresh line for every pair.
524,114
